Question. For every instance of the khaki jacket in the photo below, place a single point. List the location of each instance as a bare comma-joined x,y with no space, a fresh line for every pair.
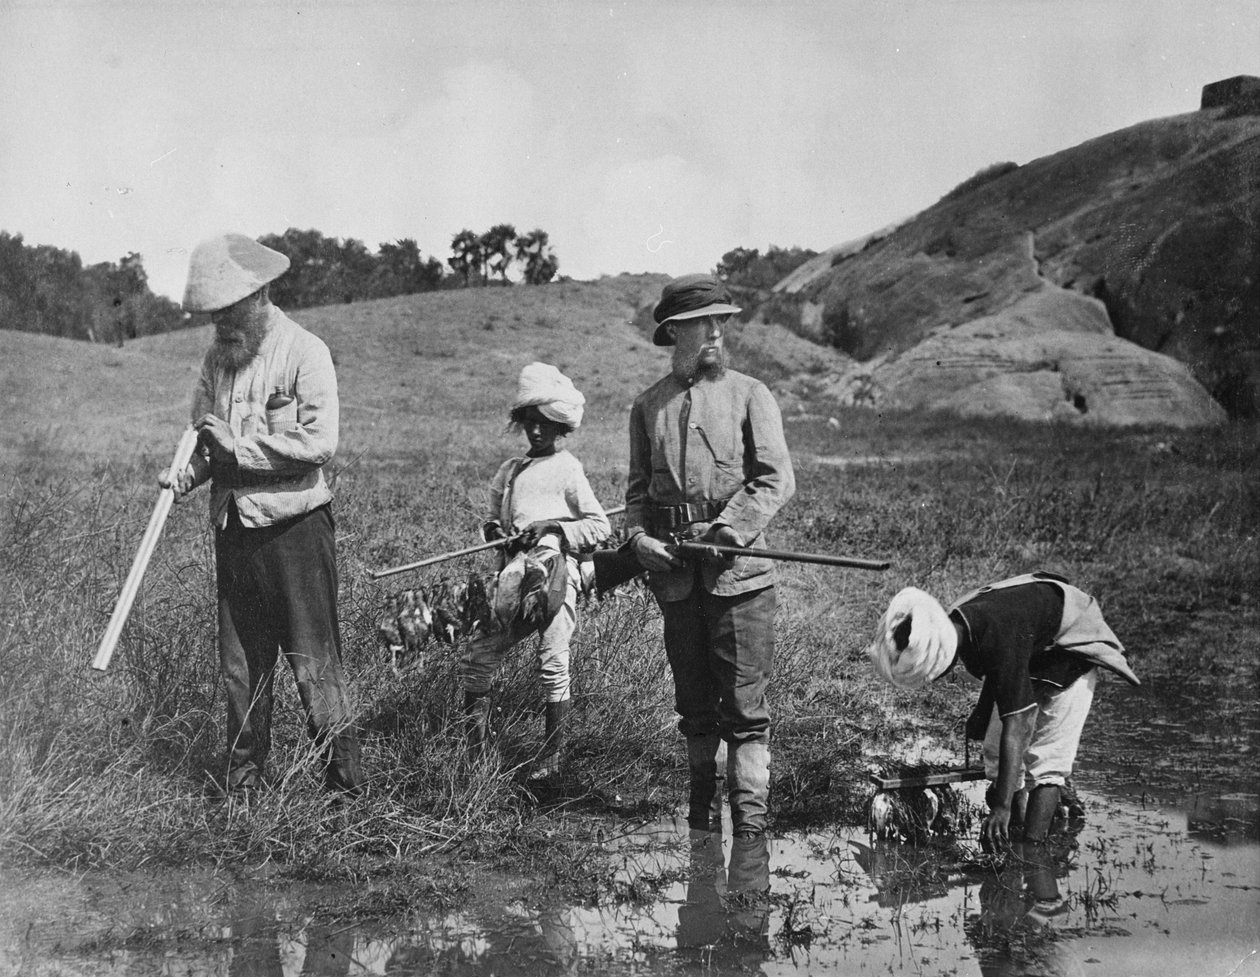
709,441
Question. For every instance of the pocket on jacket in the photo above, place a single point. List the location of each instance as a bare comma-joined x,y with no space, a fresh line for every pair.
282,418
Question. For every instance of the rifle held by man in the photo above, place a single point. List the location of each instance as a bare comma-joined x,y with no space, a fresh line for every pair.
614,567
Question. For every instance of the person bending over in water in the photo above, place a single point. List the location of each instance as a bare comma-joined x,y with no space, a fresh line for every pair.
1036,642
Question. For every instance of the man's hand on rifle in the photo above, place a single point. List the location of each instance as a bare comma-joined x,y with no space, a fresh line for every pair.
721,535
492,530
654,554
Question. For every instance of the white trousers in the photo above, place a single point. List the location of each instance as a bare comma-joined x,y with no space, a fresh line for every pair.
1061,715
484,654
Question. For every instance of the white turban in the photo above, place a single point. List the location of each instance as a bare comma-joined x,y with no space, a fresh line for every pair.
923,650
543,386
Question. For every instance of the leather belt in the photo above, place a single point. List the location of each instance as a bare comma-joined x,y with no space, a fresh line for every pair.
667,518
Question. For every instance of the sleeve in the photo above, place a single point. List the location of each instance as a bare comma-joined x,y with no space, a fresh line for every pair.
640,474
590,525
202,404
769,480
498,489
309,443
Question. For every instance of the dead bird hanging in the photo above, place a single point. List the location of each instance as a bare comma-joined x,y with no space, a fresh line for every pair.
520,599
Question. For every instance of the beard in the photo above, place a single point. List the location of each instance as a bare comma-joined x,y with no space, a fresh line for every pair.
235,348
693,367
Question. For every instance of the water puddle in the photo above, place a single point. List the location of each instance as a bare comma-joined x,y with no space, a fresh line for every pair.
1152,890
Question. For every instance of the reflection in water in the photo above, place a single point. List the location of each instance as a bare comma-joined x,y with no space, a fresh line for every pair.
725,919
1139,891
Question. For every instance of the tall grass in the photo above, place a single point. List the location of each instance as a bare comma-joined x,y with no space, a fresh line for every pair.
119,769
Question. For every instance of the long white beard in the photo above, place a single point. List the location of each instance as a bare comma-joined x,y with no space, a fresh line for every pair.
237,352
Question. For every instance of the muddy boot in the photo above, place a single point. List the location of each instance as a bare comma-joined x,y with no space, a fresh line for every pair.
477,723
550,759
706,763
748,776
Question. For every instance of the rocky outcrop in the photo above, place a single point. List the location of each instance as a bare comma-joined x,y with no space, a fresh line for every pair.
1153,232
1008,364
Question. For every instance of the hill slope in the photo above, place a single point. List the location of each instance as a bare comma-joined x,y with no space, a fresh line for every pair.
1158,223
404,364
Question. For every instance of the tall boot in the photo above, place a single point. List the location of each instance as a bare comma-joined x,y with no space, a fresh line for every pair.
748,771
477,723
551,757
706,762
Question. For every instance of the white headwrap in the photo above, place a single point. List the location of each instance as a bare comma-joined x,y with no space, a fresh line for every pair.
543,386
928,649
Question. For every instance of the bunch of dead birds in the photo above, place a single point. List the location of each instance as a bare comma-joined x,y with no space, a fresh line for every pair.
519,600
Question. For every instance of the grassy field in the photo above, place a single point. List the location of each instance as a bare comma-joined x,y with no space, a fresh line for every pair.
116,769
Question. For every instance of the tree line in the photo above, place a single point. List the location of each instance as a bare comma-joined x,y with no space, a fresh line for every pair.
49,290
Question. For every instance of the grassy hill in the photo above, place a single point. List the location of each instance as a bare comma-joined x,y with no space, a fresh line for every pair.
405,365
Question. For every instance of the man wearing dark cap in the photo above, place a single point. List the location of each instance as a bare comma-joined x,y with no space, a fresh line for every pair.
708,461
267,414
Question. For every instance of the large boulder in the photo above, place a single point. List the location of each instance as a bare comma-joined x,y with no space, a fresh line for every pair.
1009,364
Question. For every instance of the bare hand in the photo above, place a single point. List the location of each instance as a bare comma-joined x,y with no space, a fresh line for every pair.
492,531
996,827
535,531
721,535
216,435
181,485
654,554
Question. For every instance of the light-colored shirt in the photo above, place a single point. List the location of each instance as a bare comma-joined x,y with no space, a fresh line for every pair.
712,440
526,490
280,453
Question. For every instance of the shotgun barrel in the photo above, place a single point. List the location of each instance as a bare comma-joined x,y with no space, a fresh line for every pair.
694,548
454,554
615,567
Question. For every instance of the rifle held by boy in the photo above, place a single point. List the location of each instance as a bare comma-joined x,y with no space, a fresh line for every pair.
453,554
614,567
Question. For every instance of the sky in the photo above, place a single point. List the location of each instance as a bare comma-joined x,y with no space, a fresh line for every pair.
642,136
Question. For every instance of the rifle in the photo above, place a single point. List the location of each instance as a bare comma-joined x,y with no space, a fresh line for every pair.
454,554
183,454
614,567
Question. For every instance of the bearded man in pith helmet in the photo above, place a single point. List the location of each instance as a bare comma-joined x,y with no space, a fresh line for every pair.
266,411
708,461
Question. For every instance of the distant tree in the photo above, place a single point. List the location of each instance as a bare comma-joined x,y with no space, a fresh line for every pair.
534,252
47,289
735,263
466,258
748,268
402,270
497,249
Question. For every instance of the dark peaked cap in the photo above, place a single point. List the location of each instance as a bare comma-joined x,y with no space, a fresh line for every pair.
690,297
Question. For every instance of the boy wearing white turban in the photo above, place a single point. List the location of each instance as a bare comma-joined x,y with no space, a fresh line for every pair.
544,502
1036,643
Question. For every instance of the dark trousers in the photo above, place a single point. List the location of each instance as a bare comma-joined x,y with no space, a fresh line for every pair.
721,650
278,592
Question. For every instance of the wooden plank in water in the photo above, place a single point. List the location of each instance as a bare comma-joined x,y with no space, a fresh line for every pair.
928,779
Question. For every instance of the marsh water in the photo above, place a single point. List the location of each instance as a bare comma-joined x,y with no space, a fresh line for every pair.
1162,879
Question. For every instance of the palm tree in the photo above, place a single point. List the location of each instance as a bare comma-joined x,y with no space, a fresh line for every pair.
496,247
533,250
